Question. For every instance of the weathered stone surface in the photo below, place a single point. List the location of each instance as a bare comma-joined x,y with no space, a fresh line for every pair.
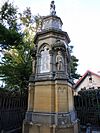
59,119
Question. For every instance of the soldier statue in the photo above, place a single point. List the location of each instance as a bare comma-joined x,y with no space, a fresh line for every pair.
52,8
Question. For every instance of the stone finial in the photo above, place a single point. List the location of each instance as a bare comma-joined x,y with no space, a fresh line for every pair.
52,8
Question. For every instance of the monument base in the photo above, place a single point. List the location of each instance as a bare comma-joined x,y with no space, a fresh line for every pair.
38,128
36,122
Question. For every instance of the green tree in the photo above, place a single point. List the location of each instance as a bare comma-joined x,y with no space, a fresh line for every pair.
9,29
15,66
73,65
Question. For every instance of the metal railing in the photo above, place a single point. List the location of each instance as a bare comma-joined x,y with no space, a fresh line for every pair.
12,112
87,105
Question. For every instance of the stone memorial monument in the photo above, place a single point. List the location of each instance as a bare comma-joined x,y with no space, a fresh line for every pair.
50,96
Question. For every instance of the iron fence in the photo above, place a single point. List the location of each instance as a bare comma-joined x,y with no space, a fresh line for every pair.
12,112
87,105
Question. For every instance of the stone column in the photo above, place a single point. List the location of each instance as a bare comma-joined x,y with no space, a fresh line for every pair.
66,64
38,64
33,65
31,97
54,128
51,63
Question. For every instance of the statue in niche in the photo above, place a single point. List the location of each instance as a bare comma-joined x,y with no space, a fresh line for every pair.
45,60
59,61
52,8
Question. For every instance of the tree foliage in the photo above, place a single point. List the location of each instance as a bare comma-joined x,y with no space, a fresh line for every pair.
8,15
73,65
16,43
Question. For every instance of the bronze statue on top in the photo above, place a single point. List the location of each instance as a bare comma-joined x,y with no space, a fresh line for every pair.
52,8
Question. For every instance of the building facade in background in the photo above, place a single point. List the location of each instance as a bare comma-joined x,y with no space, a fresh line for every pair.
89,80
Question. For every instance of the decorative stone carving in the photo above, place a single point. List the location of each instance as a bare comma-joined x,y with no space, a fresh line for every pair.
45,60
59,44
52,22
63,119
59,119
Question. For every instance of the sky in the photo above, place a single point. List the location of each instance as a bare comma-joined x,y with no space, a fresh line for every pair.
81,20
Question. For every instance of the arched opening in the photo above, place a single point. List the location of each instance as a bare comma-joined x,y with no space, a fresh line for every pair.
44,59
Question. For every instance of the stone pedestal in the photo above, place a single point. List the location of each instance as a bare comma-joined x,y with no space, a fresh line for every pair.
52,110
51,129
